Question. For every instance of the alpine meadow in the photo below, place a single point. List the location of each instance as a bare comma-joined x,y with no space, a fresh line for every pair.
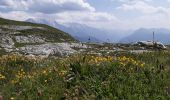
84,50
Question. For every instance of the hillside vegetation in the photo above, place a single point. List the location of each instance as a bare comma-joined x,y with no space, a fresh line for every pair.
44,30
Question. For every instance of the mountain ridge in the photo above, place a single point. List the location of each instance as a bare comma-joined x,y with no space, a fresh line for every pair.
145,34
83,32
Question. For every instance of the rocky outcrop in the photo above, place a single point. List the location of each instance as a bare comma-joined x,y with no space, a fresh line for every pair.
9,36
59,49
34,45
47,49
6,42
29,39
35,39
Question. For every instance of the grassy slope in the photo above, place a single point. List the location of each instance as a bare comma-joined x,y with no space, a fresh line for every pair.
54,34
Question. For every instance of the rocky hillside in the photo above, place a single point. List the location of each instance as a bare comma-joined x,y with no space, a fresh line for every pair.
36,39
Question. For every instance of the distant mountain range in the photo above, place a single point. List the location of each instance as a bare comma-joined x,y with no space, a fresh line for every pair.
83,33
143,34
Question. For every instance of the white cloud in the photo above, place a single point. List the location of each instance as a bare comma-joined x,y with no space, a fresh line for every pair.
93,19
59,5
14,4
47,6
131,1
62,11
149,21
16,15
143,7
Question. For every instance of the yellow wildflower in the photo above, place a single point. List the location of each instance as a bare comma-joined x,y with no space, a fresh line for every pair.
62,73
142,65
44,72
12,98
2,76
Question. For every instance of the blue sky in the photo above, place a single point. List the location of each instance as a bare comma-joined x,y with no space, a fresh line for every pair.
105,14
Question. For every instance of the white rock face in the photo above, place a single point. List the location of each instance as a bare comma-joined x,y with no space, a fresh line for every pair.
6,41
60,49
29,39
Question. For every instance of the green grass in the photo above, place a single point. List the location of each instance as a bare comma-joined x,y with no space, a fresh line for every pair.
49,35
79,77
2,52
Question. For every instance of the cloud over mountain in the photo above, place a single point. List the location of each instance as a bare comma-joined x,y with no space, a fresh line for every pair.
115,14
